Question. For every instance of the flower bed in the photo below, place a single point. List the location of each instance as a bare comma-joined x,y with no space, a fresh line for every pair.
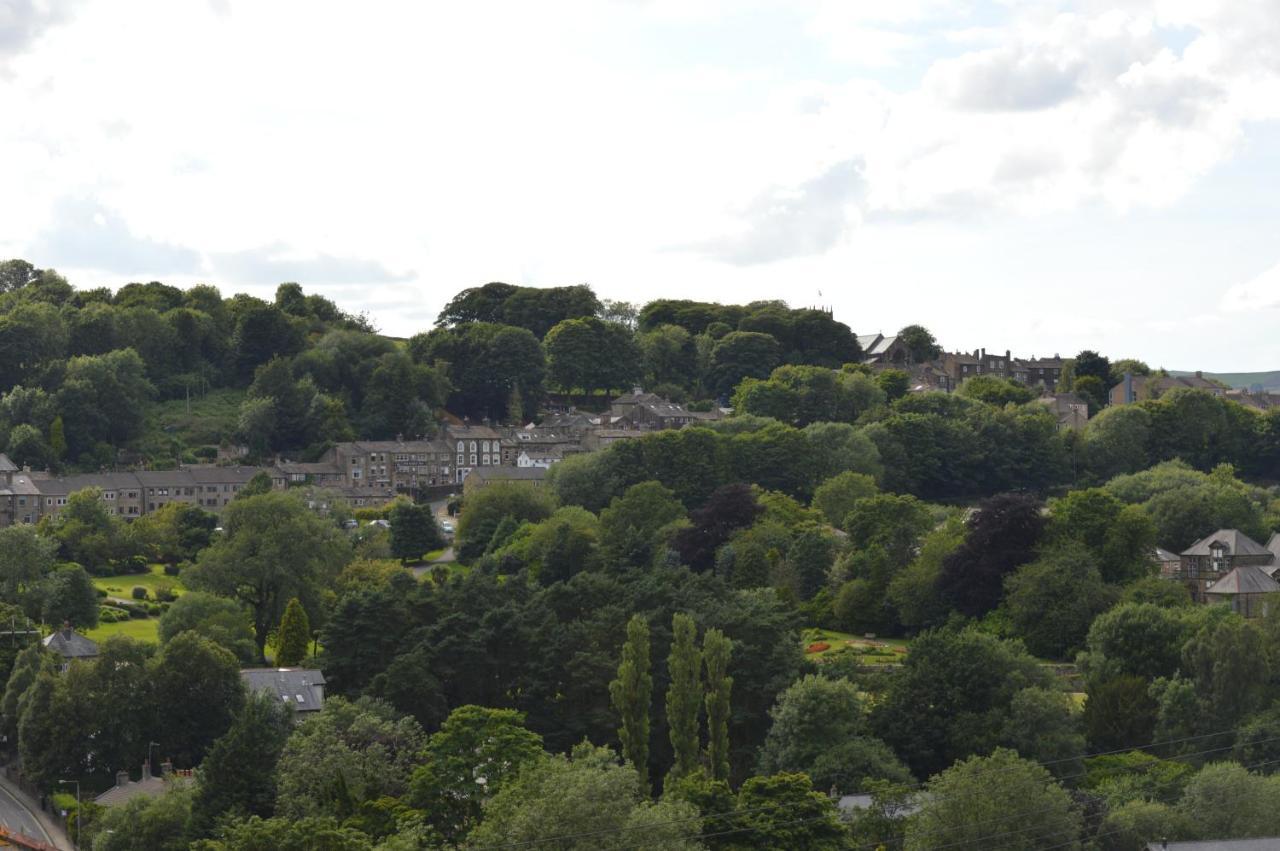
817,647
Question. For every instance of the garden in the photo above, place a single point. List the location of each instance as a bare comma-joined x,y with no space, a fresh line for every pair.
133,602
825,644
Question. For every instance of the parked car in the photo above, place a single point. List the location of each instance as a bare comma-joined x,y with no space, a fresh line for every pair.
385,524
447,526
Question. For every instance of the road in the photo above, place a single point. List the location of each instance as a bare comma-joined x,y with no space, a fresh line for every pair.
17,815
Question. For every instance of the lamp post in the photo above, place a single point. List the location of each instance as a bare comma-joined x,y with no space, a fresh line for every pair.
151,765
77,785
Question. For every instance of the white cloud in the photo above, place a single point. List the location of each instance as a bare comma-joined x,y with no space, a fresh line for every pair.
1260,293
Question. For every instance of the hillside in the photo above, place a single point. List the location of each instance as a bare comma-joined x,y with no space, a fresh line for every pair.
1244,380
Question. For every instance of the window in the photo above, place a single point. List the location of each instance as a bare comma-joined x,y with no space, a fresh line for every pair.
473,460
473,446
461,460
355,474
460,446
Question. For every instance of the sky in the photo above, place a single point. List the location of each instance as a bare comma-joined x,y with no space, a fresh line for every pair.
1038,176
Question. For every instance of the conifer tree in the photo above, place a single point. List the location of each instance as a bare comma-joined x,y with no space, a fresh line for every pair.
684,696
295,635
631,693
716,651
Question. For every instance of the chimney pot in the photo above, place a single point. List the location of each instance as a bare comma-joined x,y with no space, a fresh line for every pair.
122,778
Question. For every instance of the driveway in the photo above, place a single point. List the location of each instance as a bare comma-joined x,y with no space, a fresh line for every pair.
19,814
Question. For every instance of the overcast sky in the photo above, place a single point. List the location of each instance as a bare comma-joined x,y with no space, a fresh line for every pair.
1038,176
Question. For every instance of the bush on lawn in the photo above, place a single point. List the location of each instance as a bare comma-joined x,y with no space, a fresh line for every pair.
139,593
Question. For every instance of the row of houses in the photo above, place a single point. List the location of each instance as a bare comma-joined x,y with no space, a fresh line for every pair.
1227,567
950,369
364,472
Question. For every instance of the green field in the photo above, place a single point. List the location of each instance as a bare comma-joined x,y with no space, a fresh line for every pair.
121,585
143,629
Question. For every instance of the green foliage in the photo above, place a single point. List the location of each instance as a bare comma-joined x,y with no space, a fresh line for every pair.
365,746
1053,600
474,754
985,801
630,525
222,621
273,549
485,509
294,636
836,496
684,695
413,530
482,363
784,811
68,596
716,653
144,822
238,775
995,391
589,354
631,693
198,689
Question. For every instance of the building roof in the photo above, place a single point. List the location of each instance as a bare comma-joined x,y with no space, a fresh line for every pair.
1165,555
1244,579
6,465
882,345
301,688
1237,543
866,341
70,644
316,468
164,478
509,474
148,786
210,474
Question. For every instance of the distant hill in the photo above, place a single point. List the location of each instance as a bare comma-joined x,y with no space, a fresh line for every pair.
1244,380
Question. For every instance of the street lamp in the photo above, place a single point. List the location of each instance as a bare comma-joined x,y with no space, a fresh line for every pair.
78,814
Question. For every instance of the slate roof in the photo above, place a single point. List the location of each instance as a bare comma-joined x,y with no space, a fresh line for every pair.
508,474
1238,544
882,345
301,688
1164,555
6,465
146,787
70,644
1245,579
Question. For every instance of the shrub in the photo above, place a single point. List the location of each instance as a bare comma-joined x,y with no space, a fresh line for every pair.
101,592
110,614
138,613
139,593
165,593
174,569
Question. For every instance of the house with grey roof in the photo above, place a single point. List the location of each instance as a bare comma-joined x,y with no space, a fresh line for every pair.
1211,558
147,786
482,476
70,645
1245,589
302,689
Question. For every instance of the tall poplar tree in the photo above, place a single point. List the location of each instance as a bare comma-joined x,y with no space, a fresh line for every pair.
684,696
716,650
631,693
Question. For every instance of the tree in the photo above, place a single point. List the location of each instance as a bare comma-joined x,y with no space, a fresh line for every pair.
294,635
27,665
222,621
158,822
784,811
103,398
177,531
474,754
25,559
809,559
590,354
237,777
728,508
1090,363
739,355
587,801
894,383
1225,800
820,729
716,653
485,509
1053,600
1044,726
347,753
631,693
69,597
630,525
483,363
836,496
985,801
1137,639
1002,536
273,549
919,343
198,689
413,531
1119,713
995,391
684,695
952,697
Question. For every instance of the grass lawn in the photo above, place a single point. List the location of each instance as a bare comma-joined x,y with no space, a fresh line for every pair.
433,555
121,585
143,629
870,651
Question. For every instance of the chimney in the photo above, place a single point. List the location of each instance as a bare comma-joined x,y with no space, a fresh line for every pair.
166,768
122,778
146,769
67,630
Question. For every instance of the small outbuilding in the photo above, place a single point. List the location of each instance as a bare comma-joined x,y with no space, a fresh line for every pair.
70,645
